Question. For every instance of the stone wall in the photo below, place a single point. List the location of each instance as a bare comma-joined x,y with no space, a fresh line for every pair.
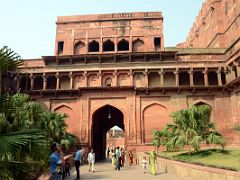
217,25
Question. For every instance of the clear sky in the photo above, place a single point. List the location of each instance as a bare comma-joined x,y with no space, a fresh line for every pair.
28,26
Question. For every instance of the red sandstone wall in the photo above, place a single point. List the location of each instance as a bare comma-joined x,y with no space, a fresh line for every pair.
144,113
129,26
116,142
217,25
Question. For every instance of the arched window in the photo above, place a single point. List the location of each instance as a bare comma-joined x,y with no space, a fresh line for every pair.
93,46
108,45
78,47
138,45
108,82
123,45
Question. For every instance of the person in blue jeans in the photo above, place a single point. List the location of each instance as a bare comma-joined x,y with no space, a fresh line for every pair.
77,159
55,162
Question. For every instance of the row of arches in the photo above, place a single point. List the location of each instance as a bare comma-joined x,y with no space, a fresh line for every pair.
138,79
108,46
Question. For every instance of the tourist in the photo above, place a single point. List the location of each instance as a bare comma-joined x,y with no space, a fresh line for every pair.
117,167
120,157
113,158
130,158
144,164
153,162
91,160
77,159
56,162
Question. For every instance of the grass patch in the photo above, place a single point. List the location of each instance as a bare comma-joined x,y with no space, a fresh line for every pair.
225,159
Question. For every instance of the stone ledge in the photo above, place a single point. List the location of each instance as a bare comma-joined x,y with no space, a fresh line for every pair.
196,172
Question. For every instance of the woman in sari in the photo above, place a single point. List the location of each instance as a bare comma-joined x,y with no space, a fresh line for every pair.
152,162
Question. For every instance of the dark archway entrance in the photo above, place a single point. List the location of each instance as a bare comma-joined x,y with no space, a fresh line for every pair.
104,119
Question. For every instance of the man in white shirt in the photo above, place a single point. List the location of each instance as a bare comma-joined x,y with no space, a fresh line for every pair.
91,160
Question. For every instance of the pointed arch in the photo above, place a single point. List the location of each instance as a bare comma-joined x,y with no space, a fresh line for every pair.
69,121
202,102
123,45
155,117
138,45
93,46
103,119
108,45
78,48
59,106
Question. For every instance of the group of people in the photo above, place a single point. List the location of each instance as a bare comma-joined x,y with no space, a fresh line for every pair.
118,157
60,168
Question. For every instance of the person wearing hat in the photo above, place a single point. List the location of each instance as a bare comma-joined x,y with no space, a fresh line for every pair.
55,162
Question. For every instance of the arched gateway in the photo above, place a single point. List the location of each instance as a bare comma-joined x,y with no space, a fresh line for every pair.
103,119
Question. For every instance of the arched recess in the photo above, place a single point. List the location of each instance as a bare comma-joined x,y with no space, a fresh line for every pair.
64,109
123,80
123,45
78,48
138,45
38,83
203,102
155,117
101,123
108,45
93,46
139,80
154,79
93,80
108,82
25,83
78,81
65,82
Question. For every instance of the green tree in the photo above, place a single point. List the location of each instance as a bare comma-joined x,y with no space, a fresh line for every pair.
191,127
9,61
26,123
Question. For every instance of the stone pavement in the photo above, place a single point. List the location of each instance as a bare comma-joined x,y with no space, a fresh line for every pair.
104,170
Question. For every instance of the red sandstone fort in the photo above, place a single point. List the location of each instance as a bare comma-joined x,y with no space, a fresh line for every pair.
113,69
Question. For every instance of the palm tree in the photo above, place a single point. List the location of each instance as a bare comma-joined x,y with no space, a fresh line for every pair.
20,150
9,61
191,127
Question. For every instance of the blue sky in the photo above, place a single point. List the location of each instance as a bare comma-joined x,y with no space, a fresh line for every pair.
28,26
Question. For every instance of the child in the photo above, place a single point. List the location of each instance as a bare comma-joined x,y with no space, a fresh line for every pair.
144,164
67,168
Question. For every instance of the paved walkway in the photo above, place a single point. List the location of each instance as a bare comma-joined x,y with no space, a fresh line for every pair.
104,170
